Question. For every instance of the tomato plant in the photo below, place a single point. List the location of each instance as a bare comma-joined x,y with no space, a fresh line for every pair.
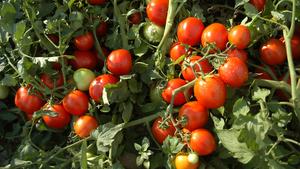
84,125
76,103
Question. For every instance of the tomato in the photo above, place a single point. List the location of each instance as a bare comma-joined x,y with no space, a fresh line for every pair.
295,42
83,78
160,134
215,33
182,162
196,115
56,66
84,125
234,72
177,50
264,75
273,52
52,81
259,4
84,59
135,18
28,103
153,33
189,31
202,142
97,85
54,38
84,42
239,36
76,103
96,2
60,121
187,70
210,92
102,29
4,91
157,11
155,94
171,86
119,62
240,53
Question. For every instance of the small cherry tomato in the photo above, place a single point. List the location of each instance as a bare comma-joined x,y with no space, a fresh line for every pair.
295,42
259,4
182,161
240,53
160,134
239,36
54,38
215,33
202,142
102,29
83,78
177,50
76,103
119,62
52,81
157,11
135,18
179,97
273,52
84,42
189,31
84,59
84,125
61,119
96,2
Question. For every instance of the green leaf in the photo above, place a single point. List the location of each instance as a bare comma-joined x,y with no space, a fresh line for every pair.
260,94
8,80
277,15
197,12
240,3
172,145
127,111
250,10
8,14
240,107
141,50
83,160
19,31
137,147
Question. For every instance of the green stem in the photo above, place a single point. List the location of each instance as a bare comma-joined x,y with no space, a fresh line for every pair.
273,84
143,120
121,21
97,45
291,141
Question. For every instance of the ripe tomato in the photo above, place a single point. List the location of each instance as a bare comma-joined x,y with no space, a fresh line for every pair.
153,33
52,81
187,70
240,53
135,18
196,114
83,78
102,29
182,162
177,50
160,134
215,33
210,92
119,62
54,38
157,11
84,59
96,2
259,4
189,31
202,142
97,85
295,42
273,52
56,66
84,42
234,72
84,125
4,91
28,103
61,120
171,86
239,36
76,103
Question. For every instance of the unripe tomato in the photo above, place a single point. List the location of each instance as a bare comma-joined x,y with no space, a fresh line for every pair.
153,33
84,42
157,11
4,91
239,36
83,78
52,81
215,33
240,53
259,4
84,59
182,162
28,103
76,103
60,121
119,62
84,125
155,94
96,2
273,52
102,29
189,31
202,142
187,70
160,134
177,50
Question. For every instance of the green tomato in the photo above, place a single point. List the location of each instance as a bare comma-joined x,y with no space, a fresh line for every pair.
155,94
4,90
153,33
193,158
83,77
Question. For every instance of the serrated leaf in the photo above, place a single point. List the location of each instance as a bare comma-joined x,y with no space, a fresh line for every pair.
8,80
141,49
278,15
127,111
172,145
240,107
19,31
260,94
250,10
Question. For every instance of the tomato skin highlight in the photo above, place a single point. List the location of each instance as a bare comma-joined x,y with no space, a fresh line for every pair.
234,72
182,162
259,4
50,82
97,85
273,52
177,50
119,62
171,86
239,36
196,114
210,92
202,142
189,31
84,59
84,42
157,11
161,134
60,121
215,33
84,125
76,103
240,53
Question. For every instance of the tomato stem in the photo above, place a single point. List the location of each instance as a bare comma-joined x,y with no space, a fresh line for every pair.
143,120
97,44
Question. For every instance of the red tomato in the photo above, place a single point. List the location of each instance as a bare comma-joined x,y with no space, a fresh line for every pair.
157,11
187,70
177,50
52,81
102,29
54,38
240,53
119,62
295,42
84,42
76,103
135,18
215,33
84,59
28,103
196,114
84,125
239,36
96,2
56,65
259,4
234,72
61,120
160,134
202,142
210,92
97,85
273,52
171,86
189,31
